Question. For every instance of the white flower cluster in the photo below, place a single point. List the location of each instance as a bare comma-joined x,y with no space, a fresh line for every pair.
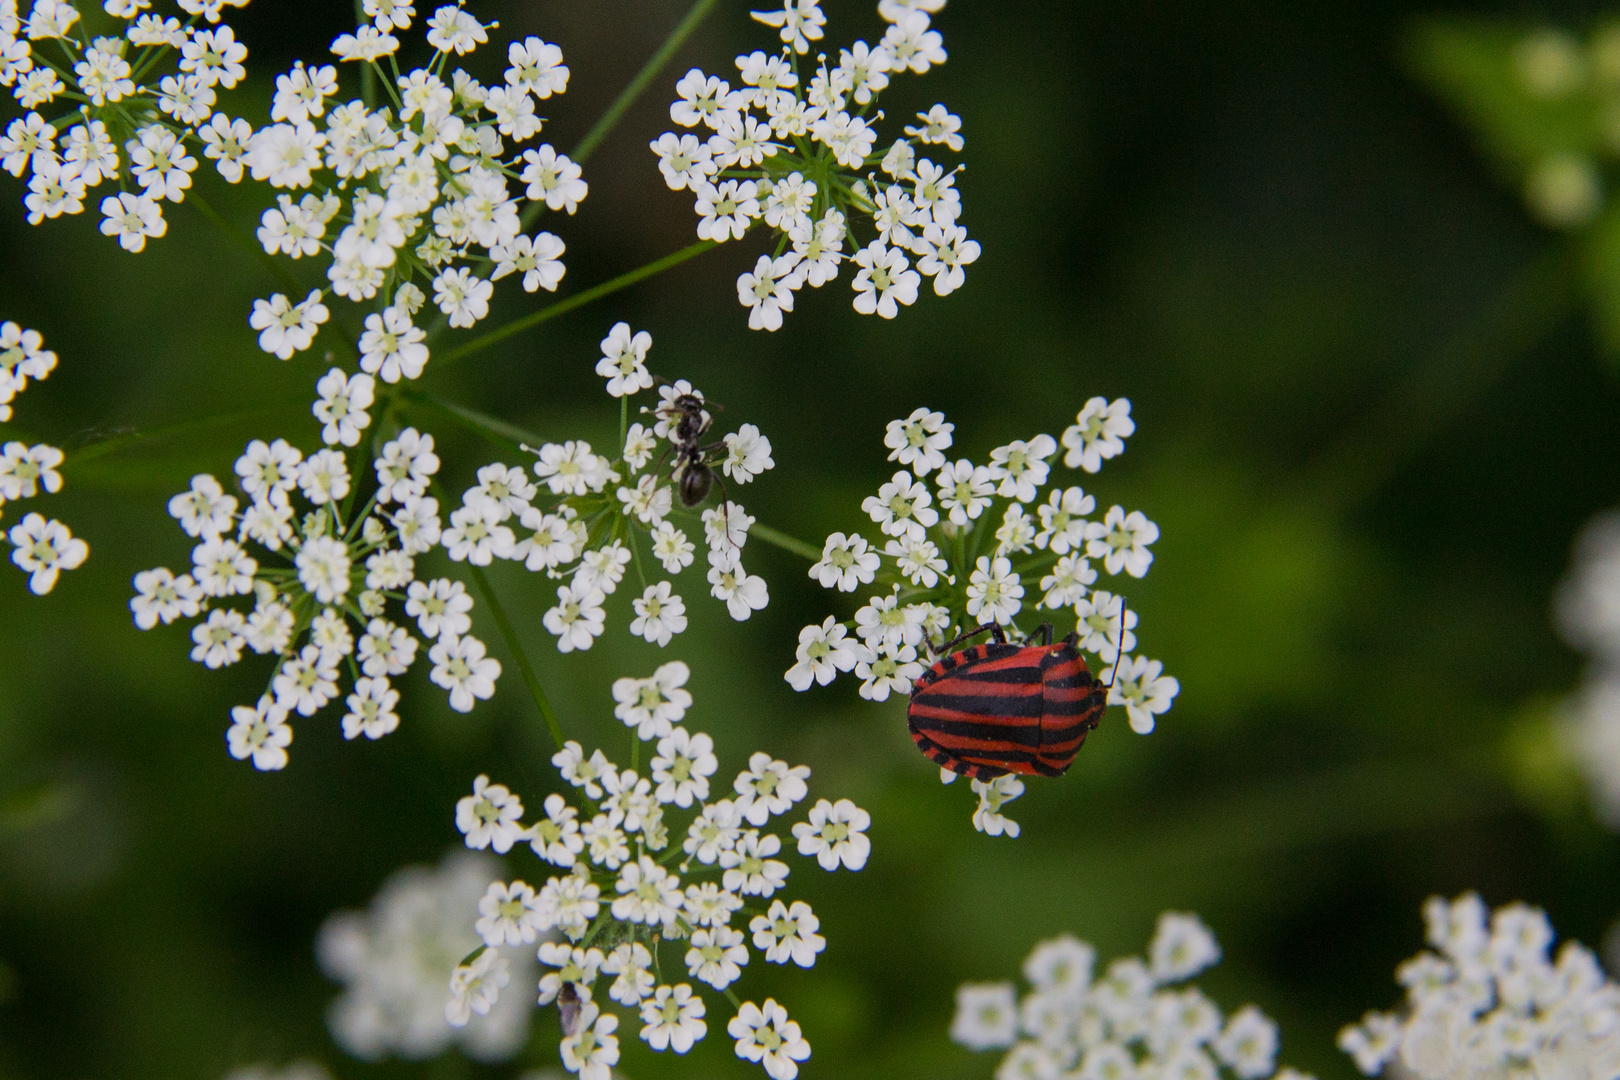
411,196
599,510
338,567
149,91
393,960
959,540
40,547
796,149
629,884
1588,610
1135,1022
1490,1001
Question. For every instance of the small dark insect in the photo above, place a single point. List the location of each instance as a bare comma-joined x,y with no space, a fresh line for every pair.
998,708
692,469
569,1007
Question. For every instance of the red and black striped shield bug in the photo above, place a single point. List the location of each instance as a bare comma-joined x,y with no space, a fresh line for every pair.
998,708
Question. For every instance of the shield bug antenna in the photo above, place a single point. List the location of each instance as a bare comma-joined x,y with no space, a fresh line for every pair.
1119,647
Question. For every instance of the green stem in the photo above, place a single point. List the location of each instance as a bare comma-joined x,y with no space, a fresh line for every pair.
649,71
492,428
562,307
247,242
504,624
785,542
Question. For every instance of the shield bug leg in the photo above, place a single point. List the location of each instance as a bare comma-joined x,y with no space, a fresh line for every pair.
1044,632
1072,639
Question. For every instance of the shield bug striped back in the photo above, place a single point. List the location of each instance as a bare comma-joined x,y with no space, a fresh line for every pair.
997,708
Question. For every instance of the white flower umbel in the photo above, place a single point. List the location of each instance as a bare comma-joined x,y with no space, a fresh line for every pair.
1491,999
405,993
146,78
425,197
327,587
795,148
1138,1019
630,891
964,546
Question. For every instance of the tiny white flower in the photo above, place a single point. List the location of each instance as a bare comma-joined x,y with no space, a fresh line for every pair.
392,347
219,639
1098,433
673,1019
986,1016
162,596
578,619
749,869
489,816
767,290
919,441
624,360
1068,582
769,787
764,1034
261,733
885,280
475,987
742,593
461,667
660,614
1121,541
682,767
1021,468
902,507
306,682
632,963
652,706
994,592
716,956
671,548
824,651
993,795
509,915
788,933
203,509
342,406
284,327
835,833
1182,946
371,709
1141,686
846,562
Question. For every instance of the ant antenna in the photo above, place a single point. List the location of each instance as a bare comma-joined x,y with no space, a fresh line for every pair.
1119,646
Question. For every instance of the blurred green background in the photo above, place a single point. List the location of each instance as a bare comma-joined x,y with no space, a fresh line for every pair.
1371,416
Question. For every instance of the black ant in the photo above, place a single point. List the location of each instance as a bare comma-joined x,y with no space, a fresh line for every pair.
692,470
